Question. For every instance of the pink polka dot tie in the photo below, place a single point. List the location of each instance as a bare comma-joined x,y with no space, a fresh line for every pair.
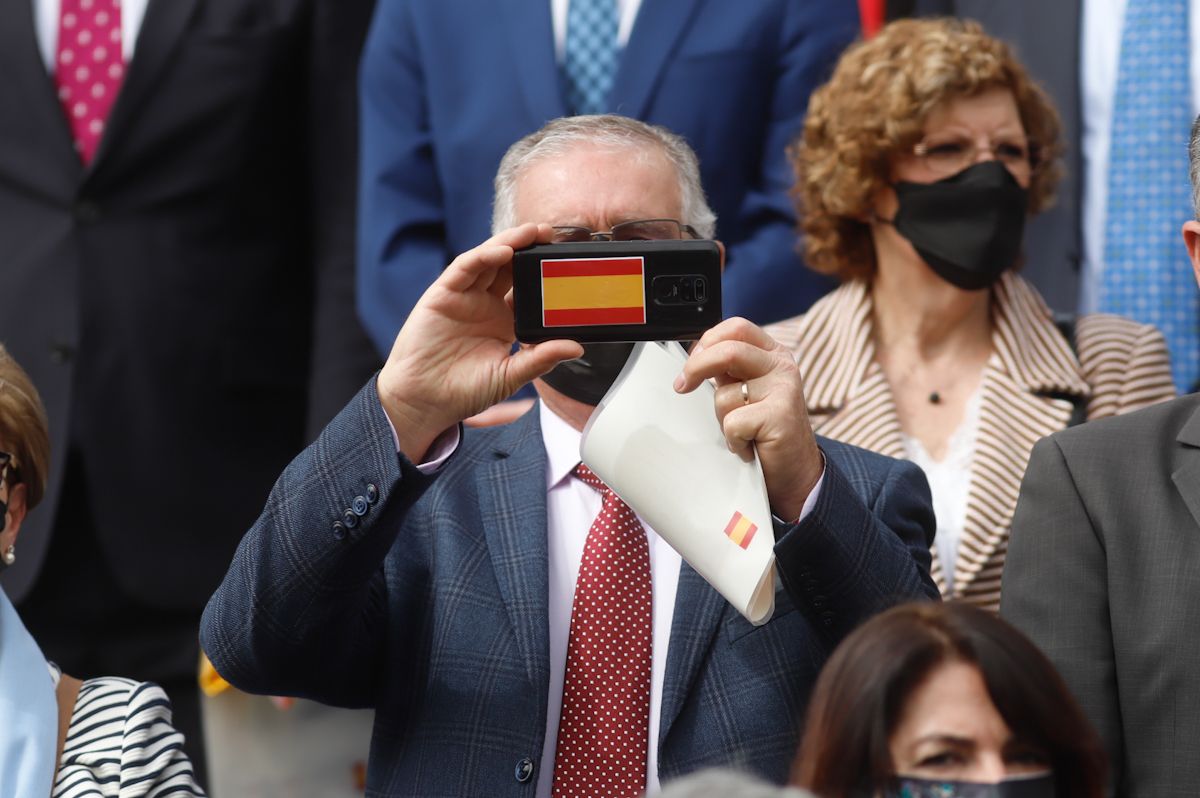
604,730
89,68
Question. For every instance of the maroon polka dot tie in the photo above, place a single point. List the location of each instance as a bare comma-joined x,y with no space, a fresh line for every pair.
604,730
89,67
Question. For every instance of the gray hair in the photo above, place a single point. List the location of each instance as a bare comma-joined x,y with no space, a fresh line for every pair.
1194,165
609,131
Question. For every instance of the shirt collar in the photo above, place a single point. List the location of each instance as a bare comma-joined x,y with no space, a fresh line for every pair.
562,446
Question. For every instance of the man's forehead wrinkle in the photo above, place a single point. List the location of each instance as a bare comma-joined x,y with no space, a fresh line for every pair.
597,187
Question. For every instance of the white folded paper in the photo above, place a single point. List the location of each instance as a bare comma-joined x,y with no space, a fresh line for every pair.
664,454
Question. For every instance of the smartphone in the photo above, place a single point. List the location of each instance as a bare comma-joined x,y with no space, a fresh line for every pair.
613,291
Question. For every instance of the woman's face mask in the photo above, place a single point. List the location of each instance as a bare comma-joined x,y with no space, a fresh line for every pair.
1036,786
967,227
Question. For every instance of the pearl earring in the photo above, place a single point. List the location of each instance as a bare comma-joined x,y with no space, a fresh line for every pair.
10,556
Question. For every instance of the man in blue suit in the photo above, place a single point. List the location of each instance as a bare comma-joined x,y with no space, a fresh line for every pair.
447,85
437,586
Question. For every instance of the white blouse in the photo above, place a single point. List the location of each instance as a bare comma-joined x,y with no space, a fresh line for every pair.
949,480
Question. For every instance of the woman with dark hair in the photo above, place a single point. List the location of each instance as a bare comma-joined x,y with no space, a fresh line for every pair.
945,700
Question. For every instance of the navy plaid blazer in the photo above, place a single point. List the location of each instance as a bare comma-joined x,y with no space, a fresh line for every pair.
431,607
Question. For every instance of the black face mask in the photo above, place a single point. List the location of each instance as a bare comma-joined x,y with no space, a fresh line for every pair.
967,227
1021,787
586,379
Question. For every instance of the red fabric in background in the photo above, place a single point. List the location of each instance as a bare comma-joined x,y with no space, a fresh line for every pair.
872,13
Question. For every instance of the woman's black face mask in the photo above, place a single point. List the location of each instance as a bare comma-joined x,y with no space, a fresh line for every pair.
1041,786
967,227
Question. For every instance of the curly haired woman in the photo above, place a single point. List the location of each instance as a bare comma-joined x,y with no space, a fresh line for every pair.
918,165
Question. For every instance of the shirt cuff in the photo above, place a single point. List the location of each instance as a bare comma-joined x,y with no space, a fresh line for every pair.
810,502
813,495
440,450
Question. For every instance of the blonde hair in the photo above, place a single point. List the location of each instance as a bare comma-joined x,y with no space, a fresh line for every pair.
873,110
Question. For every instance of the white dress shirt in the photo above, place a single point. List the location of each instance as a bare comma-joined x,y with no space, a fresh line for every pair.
45,22
626,14
571,507
1100,55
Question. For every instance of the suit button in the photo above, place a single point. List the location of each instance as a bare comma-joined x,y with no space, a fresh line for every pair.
359,506
818,601
349,519
62,354
372,493
524,770
87,212
339,530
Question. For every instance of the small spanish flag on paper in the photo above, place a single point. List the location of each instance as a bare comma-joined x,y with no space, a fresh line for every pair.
740,530
580,292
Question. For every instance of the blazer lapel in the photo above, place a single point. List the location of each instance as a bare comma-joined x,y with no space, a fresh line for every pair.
846,391
162,26
1187,477
1025,395
532,36
698,613
18,39
512,505
656,35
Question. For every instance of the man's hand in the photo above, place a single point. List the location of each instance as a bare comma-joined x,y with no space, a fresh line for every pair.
769,413
453,358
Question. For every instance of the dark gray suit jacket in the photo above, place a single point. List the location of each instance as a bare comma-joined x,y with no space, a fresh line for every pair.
1045,34
1103,573
433,607
184,300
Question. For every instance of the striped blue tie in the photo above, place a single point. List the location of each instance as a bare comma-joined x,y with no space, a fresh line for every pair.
1147,275
590,55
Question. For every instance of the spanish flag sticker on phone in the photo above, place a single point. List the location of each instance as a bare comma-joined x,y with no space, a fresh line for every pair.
581,292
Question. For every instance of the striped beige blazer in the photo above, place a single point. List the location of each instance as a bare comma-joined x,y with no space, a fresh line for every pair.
1026,393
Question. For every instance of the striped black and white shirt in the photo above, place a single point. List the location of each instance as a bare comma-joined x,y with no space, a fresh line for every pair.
121,744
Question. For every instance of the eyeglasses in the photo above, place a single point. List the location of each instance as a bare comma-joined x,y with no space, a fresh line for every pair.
949,156
639,230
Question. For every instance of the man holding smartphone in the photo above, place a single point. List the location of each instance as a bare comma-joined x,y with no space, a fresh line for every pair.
515,626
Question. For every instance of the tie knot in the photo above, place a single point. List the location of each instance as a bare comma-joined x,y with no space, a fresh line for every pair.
586,476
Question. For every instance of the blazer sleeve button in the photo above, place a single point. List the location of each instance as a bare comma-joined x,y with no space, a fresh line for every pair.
359,506
524,770
349,519
339,530
372,493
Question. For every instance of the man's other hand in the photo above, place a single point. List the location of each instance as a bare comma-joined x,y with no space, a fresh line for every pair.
760,403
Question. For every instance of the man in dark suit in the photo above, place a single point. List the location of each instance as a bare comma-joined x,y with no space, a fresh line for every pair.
447,85
436,585
166,284
1103,573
